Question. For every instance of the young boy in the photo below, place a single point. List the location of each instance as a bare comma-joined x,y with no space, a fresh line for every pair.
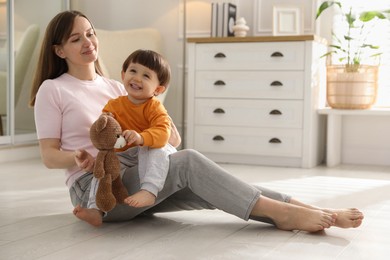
146,127
144,121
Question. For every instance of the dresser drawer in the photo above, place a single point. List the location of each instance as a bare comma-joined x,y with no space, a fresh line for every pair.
249,141
250,56
249,113
250,84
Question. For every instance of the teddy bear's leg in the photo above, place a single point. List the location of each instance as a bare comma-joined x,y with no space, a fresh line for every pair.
105,200
119,190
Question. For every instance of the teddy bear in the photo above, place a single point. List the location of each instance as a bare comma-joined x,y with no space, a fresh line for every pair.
105,133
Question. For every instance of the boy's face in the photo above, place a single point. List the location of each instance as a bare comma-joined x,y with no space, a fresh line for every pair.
141,83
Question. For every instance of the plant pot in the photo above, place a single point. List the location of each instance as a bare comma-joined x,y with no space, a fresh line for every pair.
351,88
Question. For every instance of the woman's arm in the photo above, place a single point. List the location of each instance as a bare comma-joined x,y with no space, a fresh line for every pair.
174,138
54,158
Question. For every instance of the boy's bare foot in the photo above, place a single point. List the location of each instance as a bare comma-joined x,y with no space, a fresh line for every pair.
141,199
91,216
288,216
347,218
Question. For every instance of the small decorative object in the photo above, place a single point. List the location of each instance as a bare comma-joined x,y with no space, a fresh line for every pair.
287,20
240,29
105,133
351,84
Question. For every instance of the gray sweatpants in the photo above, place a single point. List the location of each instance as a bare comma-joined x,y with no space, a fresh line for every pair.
193,182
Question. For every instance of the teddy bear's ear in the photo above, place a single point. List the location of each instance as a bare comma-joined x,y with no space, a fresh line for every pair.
101,123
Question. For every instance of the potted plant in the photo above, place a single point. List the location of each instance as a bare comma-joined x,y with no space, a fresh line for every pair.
353,84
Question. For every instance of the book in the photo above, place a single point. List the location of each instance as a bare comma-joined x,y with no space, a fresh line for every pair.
229,12
214,20
223,18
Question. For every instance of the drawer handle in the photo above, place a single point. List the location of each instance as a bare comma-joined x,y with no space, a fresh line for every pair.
220,55
275,141
277,54
219,111
276,83
275,112
218,138
219,83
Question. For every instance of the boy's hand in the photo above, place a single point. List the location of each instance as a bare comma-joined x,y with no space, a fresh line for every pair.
132,137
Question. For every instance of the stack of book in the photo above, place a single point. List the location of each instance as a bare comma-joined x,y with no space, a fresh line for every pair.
223,18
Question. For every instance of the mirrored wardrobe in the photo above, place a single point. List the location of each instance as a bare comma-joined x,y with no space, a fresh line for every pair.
22,25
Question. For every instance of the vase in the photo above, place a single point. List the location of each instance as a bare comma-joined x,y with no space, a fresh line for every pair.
351,89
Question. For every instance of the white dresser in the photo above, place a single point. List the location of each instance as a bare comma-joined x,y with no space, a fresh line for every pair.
253,100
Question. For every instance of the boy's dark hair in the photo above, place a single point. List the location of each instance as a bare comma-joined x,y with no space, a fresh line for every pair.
153,61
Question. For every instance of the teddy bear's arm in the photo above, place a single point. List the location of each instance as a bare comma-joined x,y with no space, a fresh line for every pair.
98,171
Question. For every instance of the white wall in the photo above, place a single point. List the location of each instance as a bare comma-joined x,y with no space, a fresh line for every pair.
366,140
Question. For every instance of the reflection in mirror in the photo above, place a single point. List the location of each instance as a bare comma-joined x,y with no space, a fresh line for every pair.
26,35
29,26
3,68
22,24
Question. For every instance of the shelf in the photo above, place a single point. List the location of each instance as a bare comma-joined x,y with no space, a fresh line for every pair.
355,112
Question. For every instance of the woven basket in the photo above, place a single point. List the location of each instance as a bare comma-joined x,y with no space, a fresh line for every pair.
352,88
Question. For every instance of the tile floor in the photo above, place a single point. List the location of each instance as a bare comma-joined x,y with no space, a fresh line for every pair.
36,220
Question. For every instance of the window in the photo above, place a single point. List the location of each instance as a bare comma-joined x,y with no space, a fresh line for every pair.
380,36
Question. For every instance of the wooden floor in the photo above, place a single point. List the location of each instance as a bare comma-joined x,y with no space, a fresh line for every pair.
36,220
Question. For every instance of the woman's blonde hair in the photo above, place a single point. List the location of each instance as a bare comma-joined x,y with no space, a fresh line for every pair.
50,66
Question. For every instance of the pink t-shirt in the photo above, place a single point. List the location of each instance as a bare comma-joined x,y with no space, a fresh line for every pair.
66,107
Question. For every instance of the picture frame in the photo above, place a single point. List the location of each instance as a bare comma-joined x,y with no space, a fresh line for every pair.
262,15
287,20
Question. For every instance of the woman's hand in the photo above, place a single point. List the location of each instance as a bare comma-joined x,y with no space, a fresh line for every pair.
84,160
174,138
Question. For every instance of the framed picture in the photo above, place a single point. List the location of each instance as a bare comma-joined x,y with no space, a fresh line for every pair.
287,20
263,15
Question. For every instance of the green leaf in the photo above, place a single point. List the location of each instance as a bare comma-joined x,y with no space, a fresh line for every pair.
369,15
348,38
325,5
350,18
327,54
335,46
376,54
356,60
370,46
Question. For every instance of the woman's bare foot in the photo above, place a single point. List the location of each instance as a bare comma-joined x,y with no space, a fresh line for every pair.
91,216
293,217
347,218
141,199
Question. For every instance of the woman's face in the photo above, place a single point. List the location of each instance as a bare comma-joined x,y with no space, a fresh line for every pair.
82,46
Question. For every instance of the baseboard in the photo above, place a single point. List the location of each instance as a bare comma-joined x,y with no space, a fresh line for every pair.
19,152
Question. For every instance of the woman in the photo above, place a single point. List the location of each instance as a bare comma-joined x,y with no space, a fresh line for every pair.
69,93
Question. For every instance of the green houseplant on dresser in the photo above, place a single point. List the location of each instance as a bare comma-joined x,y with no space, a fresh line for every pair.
353,84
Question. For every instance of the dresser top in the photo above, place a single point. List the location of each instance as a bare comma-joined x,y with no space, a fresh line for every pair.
256,39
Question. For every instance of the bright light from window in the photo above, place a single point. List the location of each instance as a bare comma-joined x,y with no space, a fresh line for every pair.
378,35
